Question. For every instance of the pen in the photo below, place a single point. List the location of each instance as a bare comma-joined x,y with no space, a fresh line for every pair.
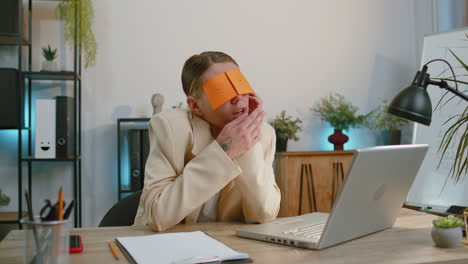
29,205
69,209
60,205
113,249
37,258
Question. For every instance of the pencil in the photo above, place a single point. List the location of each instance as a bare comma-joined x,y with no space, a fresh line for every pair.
113,249
60,205
59,218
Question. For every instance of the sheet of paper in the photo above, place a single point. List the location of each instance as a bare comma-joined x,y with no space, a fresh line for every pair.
180,247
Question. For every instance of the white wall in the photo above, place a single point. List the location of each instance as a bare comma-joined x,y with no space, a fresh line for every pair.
292,52
451,14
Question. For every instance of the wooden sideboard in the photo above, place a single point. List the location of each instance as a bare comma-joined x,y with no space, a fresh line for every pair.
310,181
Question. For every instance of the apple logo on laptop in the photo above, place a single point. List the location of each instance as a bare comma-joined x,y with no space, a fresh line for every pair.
380,192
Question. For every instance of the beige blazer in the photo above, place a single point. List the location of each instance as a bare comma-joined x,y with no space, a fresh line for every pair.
186,167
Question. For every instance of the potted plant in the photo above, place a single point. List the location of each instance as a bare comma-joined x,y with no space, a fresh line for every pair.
4,199
286,128
341,115
390,125
49,55
456,135
66,10
446,231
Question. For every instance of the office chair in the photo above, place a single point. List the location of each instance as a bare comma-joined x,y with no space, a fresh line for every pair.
123,212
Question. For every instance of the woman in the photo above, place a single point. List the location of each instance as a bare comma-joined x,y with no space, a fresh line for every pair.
209,163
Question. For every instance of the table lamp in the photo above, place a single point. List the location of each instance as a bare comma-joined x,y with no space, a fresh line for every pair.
413,103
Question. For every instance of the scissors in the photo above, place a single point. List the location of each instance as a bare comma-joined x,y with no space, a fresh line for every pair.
49,212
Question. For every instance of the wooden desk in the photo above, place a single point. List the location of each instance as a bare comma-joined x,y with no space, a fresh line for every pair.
408,242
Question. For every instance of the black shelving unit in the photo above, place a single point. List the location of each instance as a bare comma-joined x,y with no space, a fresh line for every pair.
123,125
25,81
53,76
13,41
18,40
32,159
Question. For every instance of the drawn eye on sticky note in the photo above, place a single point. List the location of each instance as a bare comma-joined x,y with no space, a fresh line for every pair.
225,86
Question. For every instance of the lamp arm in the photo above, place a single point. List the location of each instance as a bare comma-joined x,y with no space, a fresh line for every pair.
444,85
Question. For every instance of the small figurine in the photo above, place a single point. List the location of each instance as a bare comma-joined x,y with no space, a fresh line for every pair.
157,100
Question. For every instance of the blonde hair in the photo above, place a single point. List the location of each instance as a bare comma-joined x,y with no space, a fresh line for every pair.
196,65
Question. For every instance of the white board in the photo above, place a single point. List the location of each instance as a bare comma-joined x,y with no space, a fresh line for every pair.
430,186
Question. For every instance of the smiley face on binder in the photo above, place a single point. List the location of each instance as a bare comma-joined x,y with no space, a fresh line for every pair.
225,86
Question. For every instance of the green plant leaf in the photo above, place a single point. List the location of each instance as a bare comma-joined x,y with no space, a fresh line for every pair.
48,53
453,96
448,222
381,120
447,138
459,60
451,80
338,112
456,123
4,199
285,126
438,105
458,165
86,41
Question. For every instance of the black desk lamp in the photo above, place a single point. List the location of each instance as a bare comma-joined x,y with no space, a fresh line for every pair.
413,103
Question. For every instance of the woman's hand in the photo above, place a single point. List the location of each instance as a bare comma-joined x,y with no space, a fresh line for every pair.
241,134
254,102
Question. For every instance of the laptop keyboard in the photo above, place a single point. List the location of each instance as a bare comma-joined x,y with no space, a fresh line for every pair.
311,232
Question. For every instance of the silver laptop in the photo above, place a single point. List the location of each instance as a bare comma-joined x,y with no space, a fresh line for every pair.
373,193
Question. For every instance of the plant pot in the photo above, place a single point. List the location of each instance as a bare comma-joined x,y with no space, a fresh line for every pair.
392,137
49,66
338,139
281,144
446,237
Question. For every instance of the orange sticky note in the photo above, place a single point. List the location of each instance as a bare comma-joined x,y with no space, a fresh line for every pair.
219,90
225,86
240,82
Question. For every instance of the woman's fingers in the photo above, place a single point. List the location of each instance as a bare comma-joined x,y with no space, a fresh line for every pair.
257,135
244,131
257,121
255,102
249,119
237,121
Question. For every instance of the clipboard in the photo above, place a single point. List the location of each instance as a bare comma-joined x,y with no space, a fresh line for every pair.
198,247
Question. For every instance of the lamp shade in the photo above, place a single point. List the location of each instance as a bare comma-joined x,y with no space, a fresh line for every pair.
412,103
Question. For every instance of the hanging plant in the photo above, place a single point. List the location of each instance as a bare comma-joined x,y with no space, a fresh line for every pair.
86,41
